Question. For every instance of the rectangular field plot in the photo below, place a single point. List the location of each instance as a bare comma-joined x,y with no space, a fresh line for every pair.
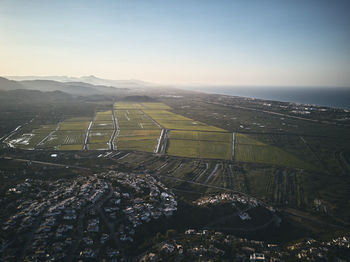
70,135
147,145
102,125
141,140
137,131
205,136
101,136
104,116
64,138
101,131
70,125
170,120
210,149
155,105
138,134
184,148
70,147
31,140
128,105
250,150
200,144
98,146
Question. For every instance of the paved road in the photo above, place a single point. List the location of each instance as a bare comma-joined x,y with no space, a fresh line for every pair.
87,136
115,131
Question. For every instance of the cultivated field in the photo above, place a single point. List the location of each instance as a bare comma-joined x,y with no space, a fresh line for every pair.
137,131
32,139
200,144
250,150
101,131
170,120
185,139
67,135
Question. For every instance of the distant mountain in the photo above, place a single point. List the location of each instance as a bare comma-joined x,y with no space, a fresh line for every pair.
22,96
93,80
73,88
6,84
49,85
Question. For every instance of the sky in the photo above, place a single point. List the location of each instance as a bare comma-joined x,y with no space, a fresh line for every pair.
211,42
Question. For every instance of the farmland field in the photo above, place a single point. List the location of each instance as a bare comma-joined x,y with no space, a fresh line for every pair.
31,140
101,131
137,131
67,135
70,125
250,150
200,144
64,138
170,120
185,139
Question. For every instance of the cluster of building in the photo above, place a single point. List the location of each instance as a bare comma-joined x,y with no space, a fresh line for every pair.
227,198
140,198
313,250
216,246
73,218
49,211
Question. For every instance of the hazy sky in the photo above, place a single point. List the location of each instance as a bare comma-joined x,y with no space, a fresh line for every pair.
248,42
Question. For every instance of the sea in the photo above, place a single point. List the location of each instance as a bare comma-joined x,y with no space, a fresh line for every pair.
338,97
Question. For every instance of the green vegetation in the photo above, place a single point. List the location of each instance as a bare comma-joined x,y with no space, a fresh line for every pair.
70,147
98,146
155,105
70,125
101,136
137,131
64,138
250,150
147,145
101,131
170,120
199,144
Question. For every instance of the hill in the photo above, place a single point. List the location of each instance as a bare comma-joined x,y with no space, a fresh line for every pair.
73,88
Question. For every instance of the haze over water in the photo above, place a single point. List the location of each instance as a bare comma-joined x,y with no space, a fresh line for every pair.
324,96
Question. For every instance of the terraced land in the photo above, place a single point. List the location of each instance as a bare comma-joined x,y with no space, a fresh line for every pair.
250,150
199,144
137,131
101,131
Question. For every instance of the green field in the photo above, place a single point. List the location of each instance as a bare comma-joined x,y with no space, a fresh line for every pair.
70,147
200,144
67,135
101,136
104,116
185,140
64,138
195,135
170,120
137,131
101,131
138,144
155,105
31,140
250,150
70,125
98,146
128,105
